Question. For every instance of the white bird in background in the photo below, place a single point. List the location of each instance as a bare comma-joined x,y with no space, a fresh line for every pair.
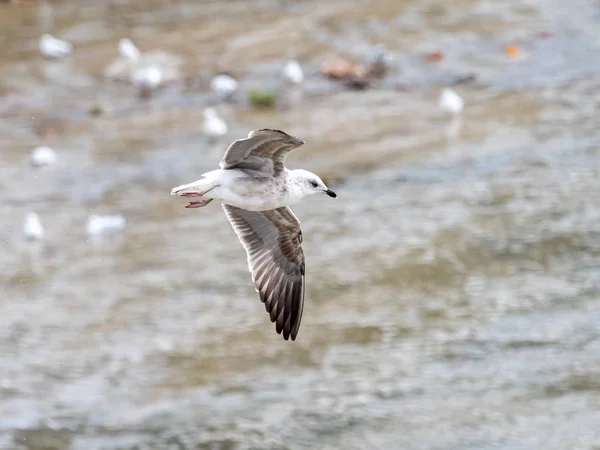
32,229
224,85
292,72
147,79
128,50
451,102
213,125
54,48
42,156
103,225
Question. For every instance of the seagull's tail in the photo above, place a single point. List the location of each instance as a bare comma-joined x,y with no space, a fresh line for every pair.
195,189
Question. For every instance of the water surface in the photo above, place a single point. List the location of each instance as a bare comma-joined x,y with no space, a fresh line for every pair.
453,296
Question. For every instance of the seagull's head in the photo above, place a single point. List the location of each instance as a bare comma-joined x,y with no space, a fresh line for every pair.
311,184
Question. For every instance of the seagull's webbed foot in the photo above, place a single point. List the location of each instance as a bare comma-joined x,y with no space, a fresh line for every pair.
199,204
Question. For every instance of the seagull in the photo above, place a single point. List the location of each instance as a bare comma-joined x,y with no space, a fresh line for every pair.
32,229
128,50
53,47
213,125
450,101
103,225
256,190
42,156
147,79
224,85
292,72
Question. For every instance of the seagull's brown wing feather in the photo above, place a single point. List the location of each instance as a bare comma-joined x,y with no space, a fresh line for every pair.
262,153
273,243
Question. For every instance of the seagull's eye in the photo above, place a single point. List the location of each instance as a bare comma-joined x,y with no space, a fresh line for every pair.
313,183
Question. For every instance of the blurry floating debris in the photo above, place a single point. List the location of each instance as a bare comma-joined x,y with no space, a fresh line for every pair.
434,56
53,47
32,229
42,156
147,79
354,76
128,50
378,62
451,102
292,72
512,51
262,99
357,83
545,35
213,125
104,225
224,85
337,69
464,79
98,109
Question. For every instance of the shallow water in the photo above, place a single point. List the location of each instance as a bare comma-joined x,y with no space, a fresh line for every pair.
453,296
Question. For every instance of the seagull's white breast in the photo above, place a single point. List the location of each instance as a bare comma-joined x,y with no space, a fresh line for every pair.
238,189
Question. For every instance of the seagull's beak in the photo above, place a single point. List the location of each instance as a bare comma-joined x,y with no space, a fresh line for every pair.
330,193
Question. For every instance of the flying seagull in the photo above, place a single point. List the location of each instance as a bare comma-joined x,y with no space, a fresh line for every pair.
256,190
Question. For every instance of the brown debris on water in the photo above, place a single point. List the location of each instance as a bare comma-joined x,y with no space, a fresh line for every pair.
378,63
357,83
464,79
353,76
434,56
357,76
338,69
512,50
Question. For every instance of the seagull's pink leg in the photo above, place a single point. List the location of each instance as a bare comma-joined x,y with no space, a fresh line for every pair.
198,204
192,191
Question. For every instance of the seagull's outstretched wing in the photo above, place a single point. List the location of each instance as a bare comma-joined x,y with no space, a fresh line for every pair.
262,153
273,242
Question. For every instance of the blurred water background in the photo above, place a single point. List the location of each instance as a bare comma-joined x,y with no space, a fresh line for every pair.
453,297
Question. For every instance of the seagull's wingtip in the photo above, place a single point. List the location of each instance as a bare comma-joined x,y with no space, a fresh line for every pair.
296,139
